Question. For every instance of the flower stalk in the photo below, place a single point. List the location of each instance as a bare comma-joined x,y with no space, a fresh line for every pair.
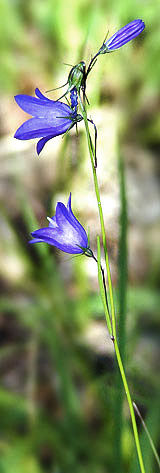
113,319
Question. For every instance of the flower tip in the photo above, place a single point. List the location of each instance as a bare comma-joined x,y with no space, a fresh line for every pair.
70,195
16,98
38,147
39,94
16,135
33,239
69,207
142,23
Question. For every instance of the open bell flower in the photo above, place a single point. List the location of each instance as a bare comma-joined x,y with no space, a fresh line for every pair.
51,118
123,36
64,232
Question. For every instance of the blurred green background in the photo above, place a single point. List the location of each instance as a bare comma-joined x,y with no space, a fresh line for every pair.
62,407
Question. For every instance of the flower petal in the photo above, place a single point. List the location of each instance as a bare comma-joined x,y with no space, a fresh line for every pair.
125,38
42,108
69,225
41,96
39,127
124,35
52,222
133,25
41,143
56,238
36,240
75,222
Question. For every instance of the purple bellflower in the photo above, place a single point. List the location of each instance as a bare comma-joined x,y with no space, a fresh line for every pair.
123,36
64,232
51,118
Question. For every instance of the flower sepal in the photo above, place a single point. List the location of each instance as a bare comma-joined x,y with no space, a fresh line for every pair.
103,49
87,251
76,119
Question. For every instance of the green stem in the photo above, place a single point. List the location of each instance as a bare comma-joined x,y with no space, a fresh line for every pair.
92,156
122,292
126,387
102,287
148,435
119,360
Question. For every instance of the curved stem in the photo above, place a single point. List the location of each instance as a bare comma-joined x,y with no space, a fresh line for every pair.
92,63
113,319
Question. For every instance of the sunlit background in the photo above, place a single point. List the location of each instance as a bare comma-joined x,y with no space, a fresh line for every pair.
62,407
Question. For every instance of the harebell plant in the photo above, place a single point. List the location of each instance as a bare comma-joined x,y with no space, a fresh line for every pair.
50,119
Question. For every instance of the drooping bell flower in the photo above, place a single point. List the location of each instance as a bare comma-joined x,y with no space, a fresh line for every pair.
64,232
123,36
51,118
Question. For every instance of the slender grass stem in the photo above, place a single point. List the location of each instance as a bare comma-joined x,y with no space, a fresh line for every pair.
126,387
92,156
122,292
148,435
114,338
102,287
